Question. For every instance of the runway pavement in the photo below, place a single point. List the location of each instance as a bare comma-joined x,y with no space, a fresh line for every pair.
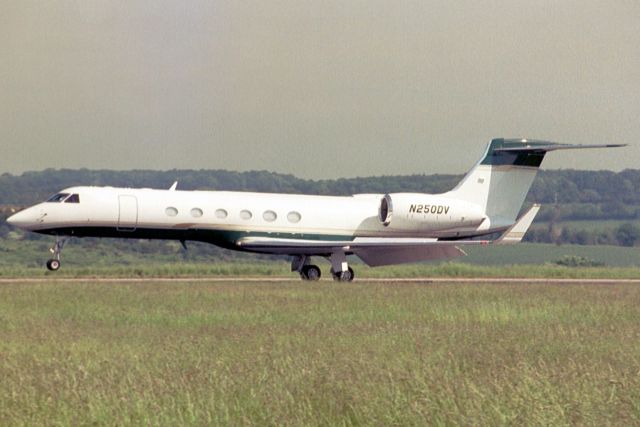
238,279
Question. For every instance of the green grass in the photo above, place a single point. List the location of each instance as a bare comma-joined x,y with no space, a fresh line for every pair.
536,254
319,354
159,259
280,269
588,225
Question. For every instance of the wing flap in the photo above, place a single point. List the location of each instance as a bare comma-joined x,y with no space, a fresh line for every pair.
375,257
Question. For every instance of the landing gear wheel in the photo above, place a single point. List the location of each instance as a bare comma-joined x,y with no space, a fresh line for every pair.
343,276
53,265
310,272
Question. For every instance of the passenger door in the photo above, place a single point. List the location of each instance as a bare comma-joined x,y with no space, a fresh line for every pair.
128,213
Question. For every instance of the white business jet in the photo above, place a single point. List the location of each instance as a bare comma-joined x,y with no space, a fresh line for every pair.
381,229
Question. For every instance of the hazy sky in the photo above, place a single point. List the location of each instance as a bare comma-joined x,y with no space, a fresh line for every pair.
319,89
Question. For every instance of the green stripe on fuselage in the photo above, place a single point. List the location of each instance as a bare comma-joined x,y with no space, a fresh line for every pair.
224,238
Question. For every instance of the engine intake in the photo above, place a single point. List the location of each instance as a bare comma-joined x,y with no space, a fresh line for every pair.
386,210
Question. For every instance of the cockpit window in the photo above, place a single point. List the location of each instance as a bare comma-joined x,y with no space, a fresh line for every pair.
57,198
74,198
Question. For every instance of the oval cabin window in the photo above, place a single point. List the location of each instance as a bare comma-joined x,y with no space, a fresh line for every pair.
269,216
171,211
245,214
196,212
294,216
221,213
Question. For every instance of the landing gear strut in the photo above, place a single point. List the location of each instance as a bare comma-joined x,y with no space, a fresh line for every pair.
340,269
54,263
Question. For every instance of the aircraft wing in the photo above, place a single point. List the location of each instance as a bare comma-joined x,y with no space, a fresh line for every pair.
374,251
377,251
386,254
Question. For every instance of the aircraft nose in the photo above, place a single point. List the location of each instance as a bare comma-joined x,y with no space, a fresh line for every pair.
25,219
14,219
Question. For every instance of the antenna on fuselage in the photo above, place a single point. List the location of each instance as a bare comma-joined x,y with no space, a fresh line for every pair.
173,186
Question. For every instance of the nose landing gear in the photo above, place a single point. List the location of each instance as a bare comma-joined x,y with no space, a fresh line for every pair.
54,263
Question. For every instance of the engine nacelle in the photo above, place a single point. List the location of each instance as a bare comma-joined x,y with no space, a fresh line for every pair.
427,212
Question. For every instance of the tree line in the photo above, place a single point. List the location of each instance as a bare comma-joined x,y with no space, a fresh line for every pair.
615,190
625,234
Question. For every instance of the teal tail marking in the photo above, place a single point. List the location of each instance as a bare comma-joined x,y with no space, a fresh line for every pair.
513,158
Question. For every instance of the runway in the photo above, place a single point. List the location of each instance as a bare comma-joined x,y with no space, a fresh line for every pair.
238,279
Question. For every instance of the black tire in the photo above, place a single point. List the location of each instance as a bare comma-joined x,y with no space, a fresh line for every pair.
345,276
348,276
53,265
311,273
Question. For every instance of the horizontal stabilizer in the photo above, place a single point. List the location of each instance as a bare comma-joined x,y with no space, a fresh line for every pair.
516,232
538,146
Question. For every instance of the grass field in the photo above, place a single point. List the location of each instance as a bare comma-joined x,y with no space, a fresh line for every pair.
536,254
319,354
87,258
589,225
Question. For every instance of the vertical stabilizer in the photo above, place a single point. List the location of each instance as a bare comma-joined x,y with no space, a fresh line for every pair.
500,181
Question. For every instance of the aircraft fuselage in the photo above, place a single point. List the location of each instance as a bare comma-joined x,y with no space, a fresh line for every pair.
223,217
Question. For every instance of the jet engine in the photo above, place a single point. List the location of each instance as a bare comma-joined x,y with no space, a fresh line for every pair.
427,212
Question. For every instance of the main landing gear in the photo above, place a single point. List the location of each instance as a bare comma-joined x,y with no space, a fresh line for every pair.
343,276
54,263
340,270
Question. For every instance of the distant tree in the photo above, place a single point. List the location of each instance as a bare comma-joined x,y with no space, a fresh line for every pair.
583,237
578,261
628,234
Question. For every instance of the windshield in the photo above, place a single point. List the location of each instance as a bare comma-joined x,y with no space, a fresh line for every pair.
74,198
57,198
